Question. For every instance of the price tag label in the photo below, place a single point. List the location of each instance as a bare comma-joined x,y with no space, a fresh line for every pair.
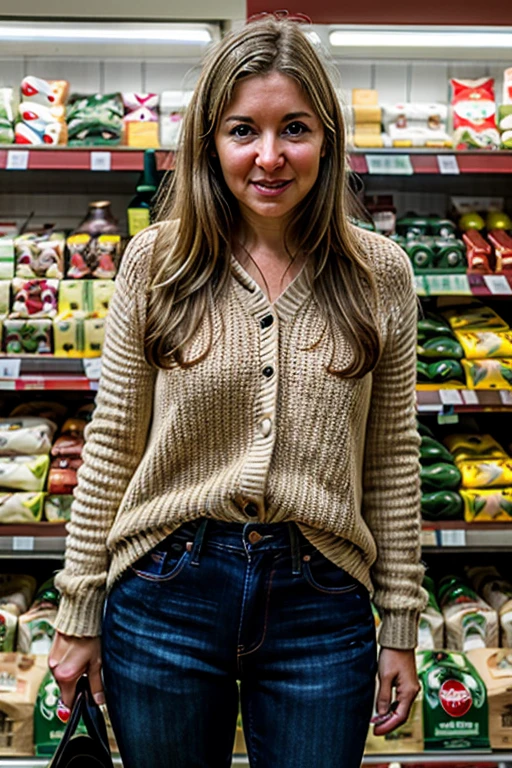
470,397
101,161
452,285
17,160
447,418
25,543
419,283
497,284
428,538
10,369
448,164
452,538
389,165
92,368
450,397
506,397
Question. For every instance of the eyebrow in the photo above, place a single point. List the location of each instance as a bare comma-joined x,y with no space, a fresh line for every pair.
247,119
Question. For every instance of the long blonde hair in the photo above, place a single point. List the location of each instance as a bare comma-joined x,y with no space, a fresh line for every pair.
192,250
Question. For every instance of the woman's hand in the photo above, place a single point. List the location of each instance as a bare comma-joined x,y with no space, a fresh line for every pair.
397,669
72,657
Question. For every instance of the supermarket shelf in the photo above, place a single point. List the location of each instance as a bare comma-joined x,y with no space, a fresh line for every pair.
424,161
40,372
38,541
463,400
22,158
492,285
458,536
446,757
47,383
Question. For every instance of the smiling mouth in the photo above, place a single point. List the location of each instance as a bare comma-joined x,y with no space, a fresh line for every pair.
271,184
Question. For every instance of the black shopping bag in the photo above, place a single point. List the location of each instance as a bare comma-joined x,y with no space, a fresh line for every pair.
84,750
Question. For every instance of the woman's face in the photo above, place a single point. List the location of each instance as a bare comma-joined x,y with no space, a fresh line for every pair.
269,142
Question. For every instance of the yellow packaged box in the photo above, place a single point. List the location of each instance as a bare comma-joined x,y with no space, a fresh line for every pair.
20,678
485,344
475,317
486,505
367,140
465,447
78,337
496,473
85,296
364,113
494,665
365,97
488,374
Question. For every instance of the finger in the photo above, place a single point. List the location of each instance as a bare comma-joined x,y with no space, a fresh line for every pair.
96,682
384,694
67,672
399,717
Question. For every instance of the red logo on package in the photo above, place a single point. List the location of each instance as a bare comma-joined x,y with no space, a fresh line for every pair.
455,698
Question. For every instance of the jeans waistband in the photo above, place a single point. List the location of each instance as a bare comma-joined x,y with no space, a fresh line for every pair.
248,537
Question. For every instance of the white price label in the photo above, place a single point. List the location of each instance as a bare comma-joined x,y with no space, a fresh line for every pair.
389,165
497,284
451,285
428,538
9,369
448,164
450,397
453,538
470,397
92,368
101,161
17,160
25,543
506,397
419,283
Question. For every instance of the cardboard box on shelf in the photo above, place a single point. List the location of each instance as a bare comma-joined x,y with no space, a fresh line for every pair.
20,678
494,665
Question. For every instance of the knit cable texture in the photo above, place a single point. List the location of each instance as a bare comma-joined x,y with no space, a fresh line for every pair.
259,421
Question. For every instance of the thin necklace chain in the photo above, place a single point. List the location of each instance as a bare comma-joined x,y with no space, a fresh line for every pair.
251,258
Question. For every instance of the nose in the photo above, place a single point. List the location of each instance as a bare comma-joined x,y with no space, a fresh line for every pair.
270,155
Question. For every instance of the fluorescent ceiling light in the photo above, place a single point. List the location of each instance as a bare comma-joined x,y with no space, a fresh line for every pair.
419,38
99,32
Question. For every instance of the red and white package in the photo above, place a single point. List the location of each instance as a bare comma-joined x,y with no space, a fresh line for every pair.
474,114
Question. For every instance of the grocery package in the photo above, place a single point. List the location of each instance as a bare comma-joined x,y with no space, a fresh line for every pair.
35,626
442,476
95,120
497,592
6,257
416,124
479,253
486,474
24,473
474,317
507,86
95,245
439,353
34,298
26,435
62,476
505,125
431,623
172,108
474,114
455,709
6,116
411,227
40,254
141,119
407,738
43,409
57,508
85,296
502,243
5,298
484,506
21,678
494,667
488,374
367,118
139,208
42,112
78,337
468,447
27,336
21,507
71,440
16,593
477,345
470,621
442,505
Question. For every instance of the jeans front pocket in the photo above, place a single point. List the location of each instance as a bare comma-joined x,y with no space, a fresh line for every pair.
162,563
324,576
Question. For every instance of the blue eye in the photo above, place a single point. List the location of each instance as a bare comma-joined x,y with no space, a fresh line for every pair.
296,129
241,131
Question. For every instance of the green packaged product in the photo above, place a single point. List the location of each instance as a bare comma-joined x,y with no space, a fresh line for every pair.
440,348
7,109
424,430
432,451
442,505
421,254
433,325
57,508
455,709
440,372
439,477
48,726
35,626
450,254
95,120
412,226
443,228
470,622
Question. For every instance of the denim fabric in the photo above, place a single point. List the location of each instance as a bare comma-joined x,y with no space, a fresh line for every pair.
210,606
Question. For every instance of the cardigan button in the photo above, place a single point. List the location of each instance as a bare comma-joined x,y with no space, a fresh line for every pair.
266,427
268,372
251,509
267,321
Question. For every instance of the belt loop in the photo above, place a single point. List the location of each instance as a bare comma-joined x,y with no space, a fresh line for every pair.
198,542
295,548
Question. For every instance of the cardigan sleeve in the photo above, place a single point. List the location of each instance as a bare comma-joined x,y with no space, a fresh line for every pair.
115,442
391,484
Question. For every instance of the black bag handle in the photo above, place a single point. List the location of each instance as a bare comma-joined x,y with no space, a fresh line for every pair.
86,708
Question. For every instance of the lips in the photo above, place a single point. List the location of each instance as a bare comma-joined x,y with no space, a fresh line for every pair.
268,188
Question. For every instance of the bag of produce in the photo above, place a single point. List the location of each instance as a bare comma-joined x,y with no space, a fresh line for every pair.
442,505
57,508
21,507
497,592
26,436
478,345
468,447
455,710
16,592
496,473
24,473
488,374
474,114
485,505
35,627
439,477
21,678
431,624
40,255
494,666
474,317
470,621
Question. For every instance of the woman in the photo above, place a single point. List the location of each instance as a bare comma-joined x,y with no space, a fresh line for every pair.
251,472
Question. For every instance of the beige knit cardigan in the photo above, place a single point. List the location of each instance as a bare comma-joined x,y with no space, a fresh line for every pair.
261,422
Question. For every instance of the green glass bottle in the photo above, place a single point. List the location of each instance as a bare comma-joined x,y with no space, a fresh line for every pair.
139,209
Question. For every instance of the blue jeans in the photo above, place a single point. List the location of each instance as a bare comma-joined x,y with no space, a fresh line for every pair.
218,603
